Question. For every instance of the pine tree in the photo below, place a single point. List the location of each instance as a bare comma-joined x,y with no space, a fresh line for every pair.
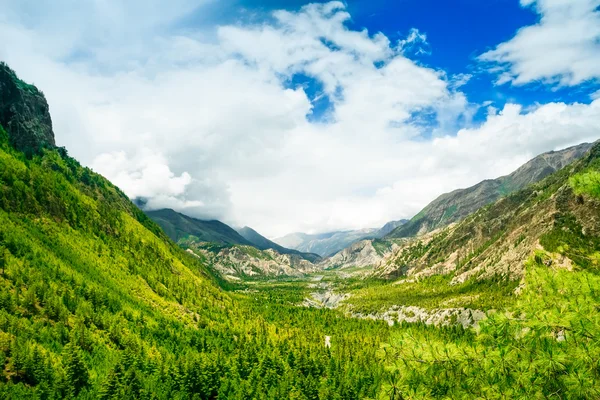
76,371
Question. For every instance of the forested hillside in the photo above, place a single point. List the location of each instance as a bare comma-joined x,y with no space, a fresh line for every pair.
96,302
180,227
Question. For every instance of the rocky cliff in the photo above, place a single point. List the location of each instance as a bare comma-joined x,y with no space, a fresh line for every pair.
24,113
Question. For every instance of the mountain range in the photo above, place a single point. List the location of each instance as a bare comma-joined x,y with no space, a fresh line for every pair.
453,206
232,254
560,214
328,244
182,227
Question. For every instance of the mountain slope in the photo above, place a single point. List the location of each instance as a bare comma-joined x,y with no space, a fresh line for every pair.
179,227
453,206
97,302
262,243
235,262
560,214
389,227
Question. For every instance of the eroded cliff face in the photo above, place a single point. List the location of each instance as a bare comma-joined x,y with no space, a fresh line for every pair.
24,113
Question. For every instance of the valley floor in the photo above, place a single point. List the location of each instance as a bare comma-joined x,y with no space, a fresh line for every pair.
498,339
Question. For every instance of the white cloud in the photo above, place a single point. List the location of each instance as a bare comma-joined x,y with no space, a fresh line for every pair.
213,128
562,48
145,175
415,42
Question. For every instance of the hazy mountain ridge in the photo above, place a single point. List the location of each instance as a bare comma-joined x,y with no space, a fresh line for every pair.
452,207
328,244
262,243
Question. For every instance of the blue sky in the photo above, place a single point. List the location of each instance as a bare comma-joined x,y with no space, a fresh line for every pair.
286,116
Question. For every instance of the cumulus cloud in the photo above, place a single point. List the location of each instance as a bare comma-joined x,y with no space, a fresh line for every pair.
217,128
563,48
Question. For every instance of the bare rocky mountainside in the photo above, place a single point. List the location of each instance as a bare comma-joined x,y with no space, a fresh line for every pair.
328,244
247,262
453,206
449,208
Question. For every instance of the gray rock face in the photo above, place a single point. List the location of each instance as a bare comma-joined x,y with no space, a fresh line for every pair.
326,299
359,254
24,113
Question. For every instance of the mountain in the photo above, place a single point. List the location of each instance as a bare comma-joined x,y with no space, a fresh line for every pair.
560,214
453,206
181,227
324,244
328,244
262,243
97,302
235,262
389,227
298,239
361,254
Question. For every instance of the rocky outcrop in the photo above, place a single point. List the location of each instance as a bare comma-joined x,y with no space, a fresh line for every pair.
359,254
246,261
24,113
465,317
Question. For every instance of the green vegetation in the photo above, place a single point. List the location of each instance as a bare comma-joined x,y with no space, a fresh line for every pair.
96,302
433,292
382,246
547,347
586,182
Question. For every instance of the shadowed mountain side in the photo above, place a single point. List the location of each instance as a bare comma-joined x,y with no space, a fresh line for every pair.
179,226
